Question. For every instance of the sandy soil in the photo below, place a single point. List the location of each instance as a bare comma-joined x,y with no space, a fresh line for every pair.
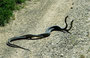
36,17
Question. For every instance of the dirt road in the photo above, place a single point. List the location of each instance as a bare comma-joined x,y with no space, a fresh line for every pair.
36,17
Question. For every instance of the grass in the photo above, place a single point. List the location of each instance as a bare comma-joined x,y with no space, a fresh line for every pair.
6,10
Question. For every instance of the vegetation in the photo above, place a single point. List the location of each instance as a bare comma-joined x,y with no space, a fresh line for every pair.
6,10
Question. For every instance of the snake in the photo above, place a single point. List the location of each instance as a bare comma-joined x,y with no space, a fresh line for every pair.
43,35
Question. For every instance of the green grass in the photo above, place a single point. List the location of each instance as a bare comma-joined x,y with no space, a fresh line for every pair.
19,1
6,10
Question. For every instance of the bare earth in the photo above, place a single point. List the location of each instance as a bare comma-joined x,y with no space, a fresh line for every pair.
36,17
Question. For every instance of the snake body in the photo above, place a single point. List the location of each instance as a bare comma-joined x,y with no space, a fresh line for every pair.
46,34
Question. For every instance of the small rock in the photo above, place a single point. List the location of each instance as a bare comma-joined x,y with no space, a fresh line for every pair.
62,55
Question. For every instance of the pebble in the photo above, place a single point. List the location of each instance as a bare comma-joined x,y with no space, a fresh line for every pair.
62,55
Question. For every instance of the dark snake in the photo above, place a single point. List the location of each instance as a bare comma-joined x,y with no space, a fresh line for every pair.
43,35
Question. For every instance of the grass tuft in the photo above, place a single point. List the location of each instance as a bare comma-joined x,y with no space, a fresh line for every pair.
6,10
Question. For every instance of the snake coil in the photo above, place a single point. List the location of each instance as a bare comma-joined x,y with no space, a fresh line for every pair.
46,34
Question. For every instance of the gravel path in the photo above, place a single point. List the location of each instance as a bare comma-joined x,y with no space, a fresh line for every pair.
36,17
